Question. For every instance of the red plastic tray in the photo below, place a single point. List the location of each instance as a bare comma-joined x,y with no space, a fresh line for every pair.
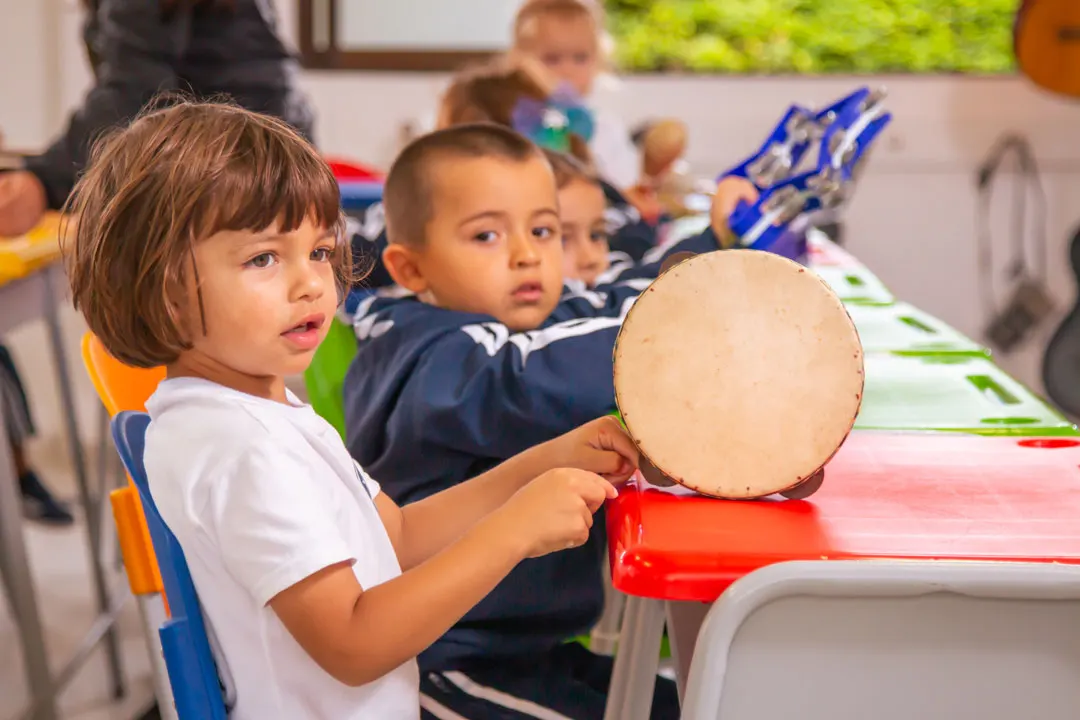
886,495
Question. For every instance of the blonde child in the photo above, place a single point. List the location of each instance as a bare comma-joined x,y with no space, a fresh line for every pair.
567,38
208,240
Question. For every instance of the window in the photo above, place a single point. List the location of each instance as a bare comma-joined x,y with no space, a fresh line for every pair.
696,36
413,35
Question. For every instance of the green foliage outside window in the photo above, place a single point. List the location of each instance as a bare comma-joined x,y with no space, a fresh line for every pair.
813,36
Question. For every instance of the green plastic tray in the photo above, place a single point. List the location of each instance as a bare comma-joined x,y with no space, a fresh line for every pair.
903,329
855,285
952,393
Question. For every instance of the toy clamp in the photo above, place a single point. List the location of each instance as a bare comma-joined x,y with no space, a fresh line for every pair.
843,133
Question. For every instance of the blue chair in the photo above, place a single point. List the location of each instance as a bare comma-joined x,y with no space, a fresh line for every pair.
360,194
184,642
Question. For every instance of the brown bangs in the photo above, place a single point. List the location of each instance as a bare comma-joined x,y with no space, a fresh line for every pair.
265,181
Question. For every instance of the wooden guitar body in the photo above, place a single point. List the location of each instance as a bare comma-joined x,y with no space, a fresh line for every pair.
1046,40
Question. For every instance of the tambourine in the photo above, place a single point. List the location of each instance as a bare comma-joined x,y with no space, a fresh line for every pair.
738,374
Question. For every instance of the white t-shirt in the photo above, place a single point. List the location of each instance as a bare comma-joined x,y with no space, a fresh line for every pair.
262,495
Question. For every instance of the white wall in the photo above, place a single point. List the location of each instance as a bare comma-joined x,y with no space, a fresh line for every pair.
912,221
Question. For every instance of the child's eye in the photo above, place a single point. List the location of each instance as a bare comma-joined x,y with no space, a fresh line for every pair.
322,254
581,58
550,59
487,236
598,236
545,233
262,260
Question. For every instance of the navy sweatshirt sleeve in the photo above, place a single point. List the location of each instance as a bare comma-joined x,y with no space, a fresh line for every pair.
649,266
487,393
630,234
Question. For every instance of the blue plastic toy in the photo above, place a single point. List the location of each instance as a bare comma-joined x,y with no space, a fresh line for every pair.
789,200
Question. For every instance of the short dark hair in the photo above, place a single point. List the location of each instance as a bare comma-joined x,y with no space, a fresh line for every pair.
171,179
408,195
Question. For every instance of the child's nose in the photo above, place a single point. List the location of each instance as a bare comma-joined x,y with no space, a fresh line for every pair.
307,282
523,251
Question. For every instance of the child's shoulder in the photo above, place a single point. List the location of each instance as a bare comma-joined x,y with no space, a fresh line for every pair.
393,309
189,415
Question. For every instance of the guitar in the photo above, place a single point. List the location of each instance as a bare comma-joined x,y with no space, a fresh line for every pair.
1046,41
1061,363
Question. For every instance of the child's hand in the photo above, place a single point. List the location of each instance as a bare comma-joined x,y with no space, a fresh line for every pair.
729,192
643,197
600,446
555,511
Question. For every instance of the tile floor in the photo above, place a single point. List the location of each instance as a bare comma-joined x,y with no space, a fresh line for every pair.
60,564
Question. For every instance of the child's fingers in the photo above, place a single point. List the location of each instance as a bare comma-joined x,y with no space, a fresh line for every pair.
613,437
596,491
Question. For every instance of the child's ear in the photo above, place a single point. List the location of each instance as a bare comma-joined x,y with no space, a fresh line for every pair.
401,263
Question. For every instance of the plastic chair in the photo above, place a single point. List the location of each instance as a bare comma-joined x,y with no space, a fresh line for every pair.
359,194
891,640
346,170
184,642
325,376
121,387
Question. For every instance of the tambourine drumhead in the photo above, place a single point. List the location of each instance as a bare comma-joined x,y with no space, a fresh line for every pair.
738,373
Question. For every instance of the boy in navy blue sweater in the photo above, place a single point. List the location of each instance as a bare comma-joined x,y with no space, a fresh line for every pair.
480,353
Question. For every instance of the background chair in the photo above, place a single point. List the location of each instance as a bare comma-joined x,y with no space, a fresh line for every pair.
325,376
891,640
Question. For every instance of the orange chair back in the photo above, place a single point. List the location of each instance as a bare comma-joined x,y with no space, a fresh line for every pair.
120,386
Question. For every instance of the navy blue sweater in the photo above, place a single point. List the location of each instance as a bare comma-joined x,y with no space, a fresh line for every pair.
435,397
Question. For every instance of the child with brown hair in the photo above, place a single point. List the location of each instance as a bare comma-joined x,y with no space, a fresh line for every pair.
208,239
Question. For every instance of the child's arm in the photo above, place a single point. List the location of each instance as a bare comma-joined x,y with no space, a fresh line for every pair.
421,529
358,635
715,237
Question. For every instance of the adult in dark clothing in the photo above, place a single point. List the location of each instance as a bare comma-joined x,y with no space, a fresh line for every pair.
207,48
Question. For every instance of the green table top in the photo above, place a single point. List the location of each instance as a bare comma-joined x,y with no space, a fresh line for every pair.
904,329
855,284
954,393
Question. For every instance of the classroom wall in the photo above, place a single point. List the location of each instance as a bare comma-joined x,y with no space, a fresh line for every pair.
912,220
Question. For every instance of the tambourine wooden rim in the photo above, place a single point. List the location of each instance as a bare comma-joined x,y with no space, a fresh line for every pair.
738,374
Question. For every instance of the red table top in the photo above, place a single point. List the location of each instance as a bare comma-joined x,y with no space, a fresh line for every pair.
886,495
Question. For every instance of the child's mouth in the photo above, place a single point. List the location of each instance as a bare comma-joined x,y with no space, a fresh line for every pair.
529,292
306,333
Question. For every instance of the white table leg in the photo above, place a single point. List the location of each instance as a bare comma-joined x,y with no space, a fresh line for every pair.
633,679
605,636
20,585
89,503
684,621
